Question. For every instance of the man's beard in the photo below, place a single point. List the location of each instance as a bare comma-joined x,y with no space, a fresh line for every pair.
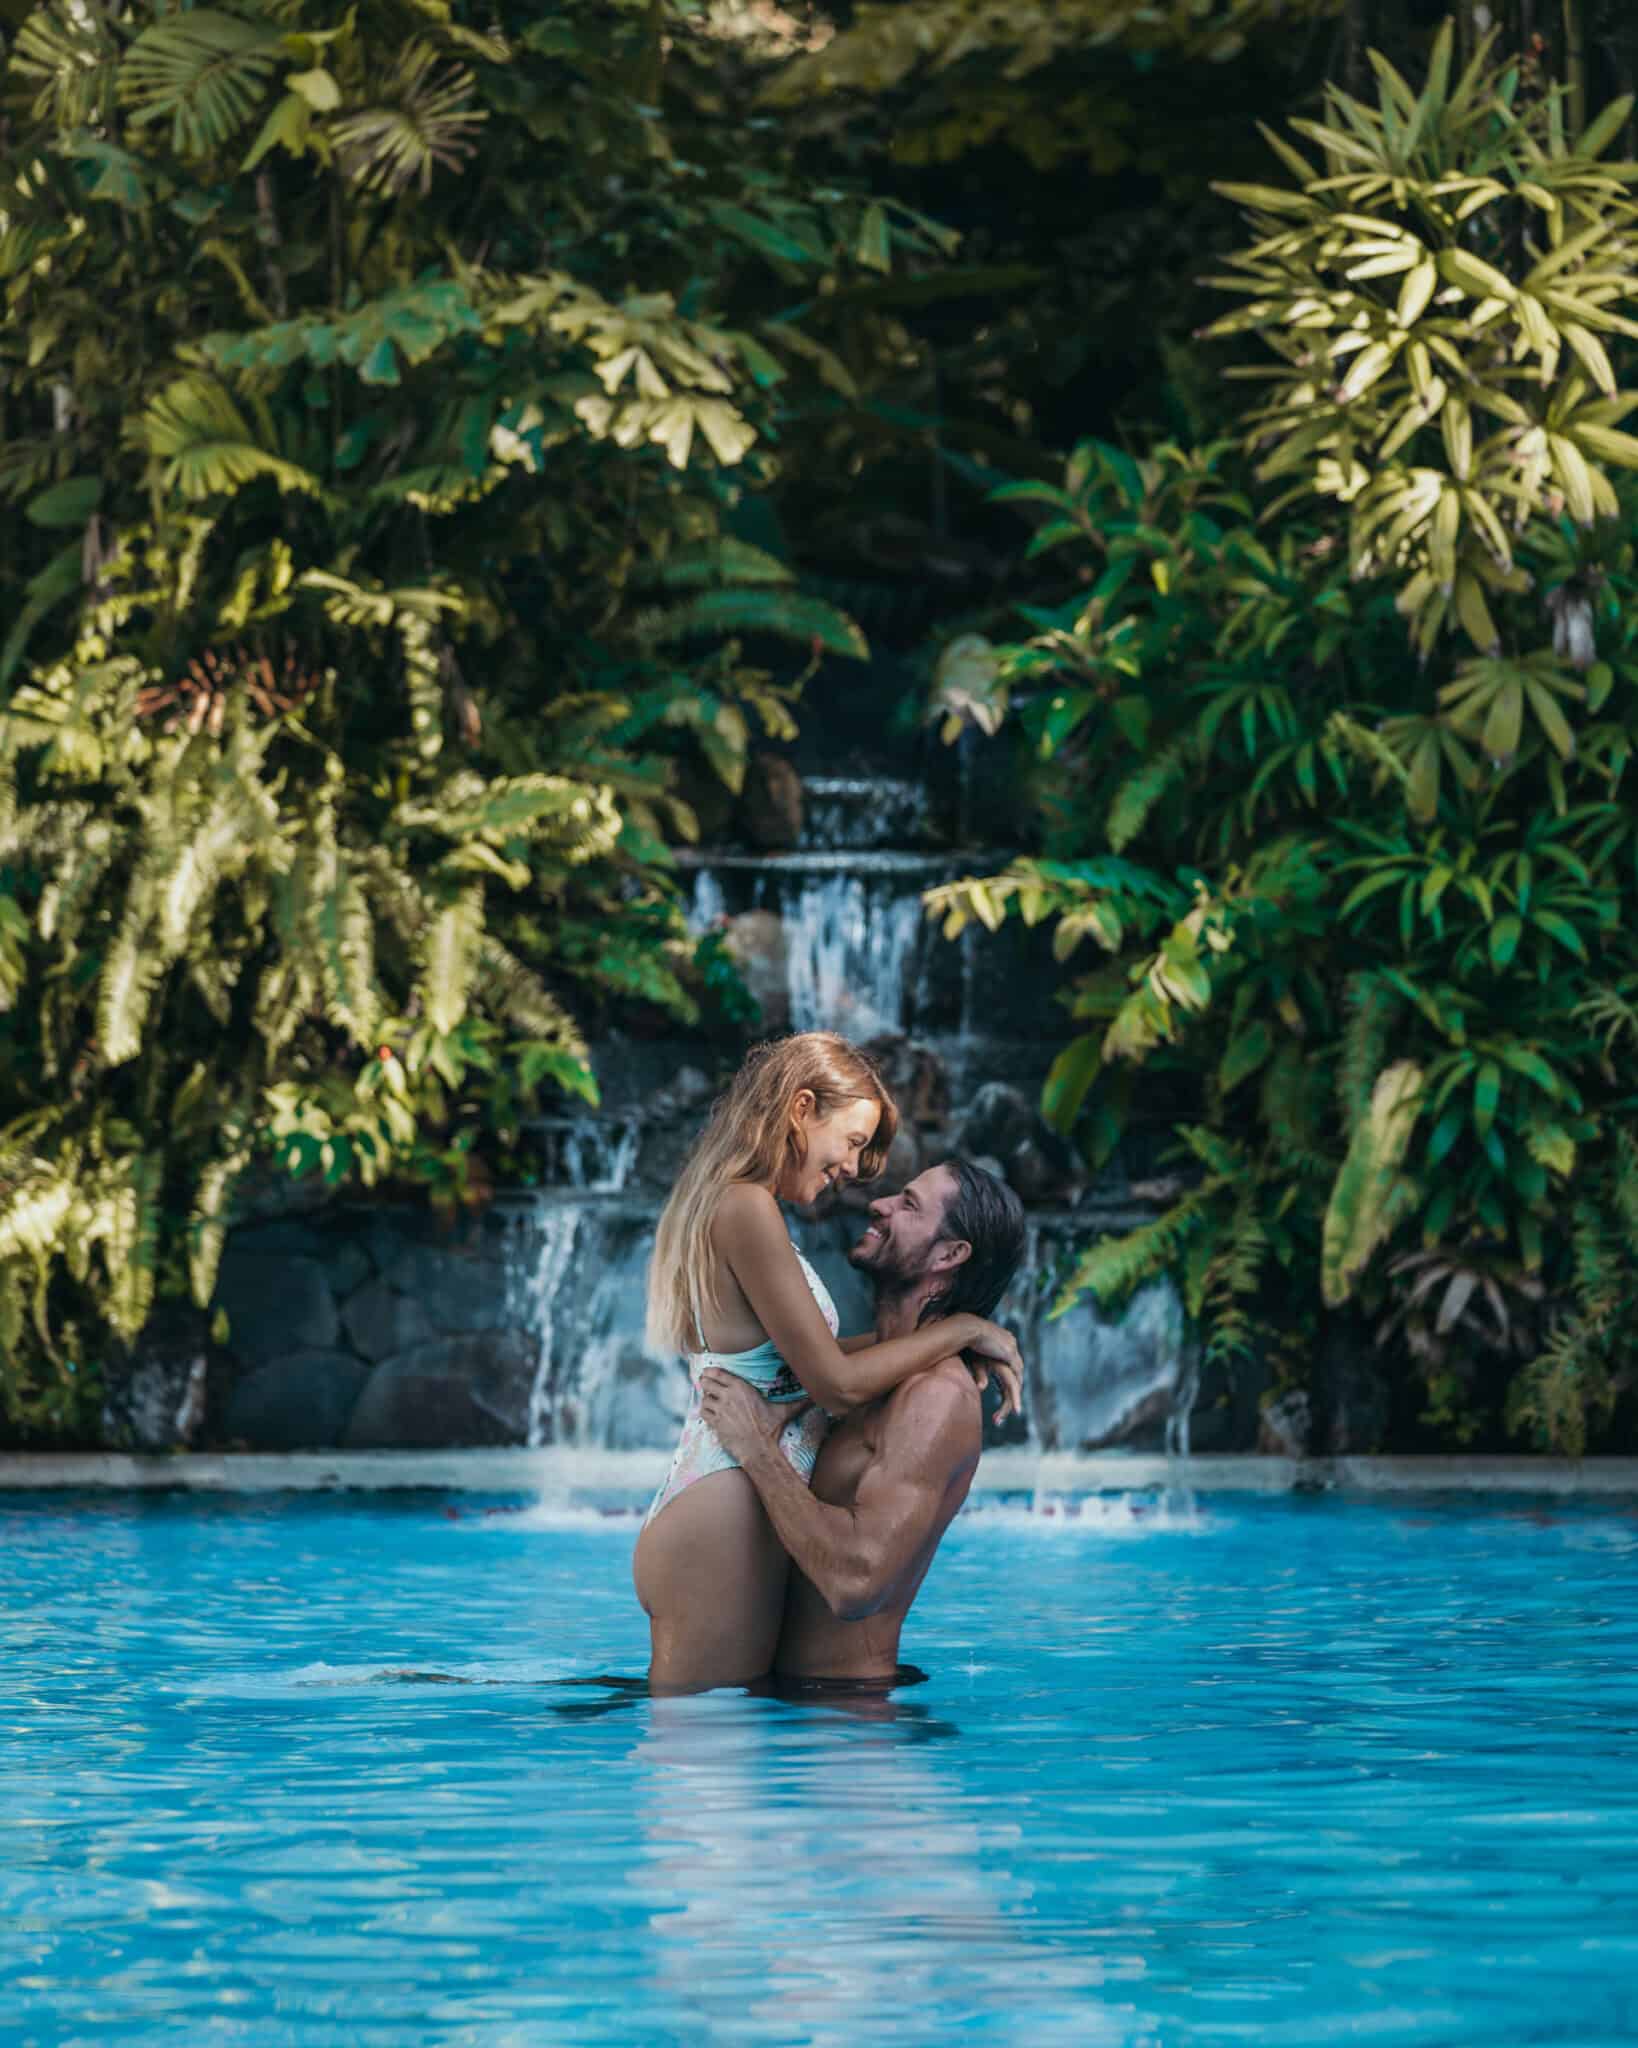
887,1271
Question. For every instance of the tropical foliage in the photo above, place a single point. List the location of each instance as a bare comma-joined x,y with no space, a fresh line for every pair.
1332,725
385,401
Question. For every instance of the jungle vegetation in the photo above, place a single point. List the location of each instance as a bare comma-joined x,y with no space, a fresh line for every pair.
438,441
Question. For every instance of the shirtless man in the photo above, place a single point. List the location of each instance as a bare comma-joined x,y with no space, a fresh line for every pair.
891,1474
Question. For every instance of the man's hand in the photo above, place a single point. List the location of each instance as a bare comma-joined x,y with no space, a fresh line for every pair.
742,1419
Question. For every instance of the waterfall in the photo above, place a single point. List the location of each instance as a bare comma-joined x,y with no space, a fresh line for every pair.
863,810
849,948
598,1155
559,1227
708,907
1102,1377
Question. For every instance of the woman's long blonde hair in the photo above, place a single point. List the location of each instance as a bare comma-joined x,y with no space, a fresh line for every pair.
750,1136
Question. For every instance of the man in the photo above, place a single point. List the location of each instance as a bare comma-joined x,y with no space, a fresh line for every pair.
891,1474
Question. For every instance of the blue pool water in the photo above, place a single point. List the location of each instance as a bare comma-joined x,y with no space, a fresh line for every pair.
1287,1772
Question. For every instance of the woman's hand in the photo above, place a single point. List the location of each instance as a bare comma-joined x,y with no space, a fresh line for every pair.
741,1419
997,1352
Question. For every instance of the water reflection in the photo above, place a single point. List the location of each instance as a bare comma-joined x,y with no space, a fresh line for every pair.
816,1872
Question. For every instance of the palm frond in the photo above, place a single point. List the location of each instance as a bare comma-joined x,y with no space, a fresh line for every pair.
203,71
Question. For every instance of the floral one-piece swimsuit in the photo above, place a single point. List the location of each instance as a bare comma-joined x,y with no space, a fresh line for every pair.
699,1453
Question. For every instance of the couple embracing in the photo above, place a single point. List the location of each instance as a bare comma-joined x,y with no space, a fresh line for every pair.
816,1473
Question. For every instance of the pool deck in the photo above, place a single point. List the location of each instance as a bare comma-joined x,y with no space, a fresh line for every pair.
566,1472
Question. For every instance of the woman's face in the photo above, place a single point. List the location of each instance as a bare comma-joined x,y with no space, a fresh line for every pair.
833,1144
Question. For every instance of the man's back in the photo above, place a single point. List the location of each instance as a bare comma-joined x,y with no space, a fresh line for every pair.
908,1458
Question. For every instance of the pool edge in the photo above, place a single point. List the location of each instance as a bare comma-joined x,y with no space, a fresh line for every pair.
562,1469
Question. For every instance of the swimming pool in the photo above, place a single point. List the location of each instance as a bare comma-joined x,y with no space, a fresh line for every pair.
1281,1771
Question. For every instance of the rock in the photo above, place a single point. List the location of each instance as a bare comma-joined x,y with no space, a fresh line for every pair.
154,1394
1031,1172
379,1321
915,1077
275,1304
1002,1123
1095,1377
1228,1412
771,803
462,1289
755,941
1352,1393
382,1240
1285,1427
288,1236
453,1391
346,1265
298,1403
690,1087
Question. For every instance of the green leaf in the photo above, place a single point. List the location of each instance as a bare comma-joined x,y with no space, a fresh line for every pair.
786,614
1246,1053
1505,934
1486,1096
1068,1082
69,503
873,248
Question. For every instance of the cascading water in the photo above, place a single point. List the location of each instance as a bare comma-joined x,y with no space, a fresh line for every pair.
708,906
849,949
559,1227
834,936
863,811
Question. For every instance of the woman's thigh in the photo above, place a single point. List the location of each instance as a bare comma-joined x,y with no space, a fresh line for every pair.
711,1574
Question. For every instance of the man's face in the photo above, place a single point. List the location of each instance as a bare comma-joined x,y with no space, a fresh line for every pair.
902,1244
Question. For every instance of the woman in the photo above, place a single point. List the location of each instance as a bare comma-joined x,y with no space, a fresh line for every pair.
729,1288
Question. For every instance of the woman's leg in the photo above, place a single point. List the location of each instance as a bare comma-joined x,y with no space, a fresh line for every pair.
711,1574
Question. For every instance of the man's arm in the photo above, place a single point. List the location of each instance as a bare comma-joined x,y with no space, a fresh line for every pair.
854,1556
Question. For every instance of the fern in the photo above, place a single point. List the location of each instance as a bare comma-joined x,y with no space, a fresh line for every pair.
1115,1267
1137,796
782,614
449,958
1369,1195
1369,1006
343,933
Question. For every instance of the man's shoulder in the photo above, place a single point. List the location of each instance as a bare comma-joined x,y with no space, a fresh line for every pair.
945,1391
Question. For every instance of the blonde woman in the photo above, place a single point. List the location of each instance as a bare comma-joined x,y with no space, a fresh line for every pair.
729,1289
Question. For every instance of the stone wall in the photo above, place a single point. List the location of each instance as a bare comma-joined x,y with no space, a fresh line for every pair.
369,1328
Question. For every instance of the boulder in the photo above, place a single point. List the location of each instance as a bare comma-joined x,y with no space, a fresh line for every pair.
1352,1393
755,941
915,1078
1286,1426
1001,1123
380,1321
275,1304
462,1289
154,1393
771,802
453,1391
346,1263
298,1403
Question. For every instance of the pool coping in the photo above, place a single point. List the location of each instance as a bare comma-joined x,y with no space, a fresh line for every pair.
565,1470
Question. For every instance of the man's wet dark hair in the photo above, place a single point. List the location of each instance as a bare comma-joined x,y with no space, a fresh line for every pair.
989,1216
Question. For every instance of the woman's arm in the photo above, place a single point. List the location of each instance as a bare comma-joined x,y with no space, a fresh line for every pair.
750,1235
